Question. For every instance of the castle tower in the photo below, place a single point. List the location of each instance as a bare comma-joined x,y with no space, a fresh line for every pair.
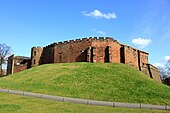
36,56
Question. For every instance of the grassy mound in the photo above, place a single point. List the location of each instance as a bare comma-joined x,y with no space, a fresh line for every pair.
99,81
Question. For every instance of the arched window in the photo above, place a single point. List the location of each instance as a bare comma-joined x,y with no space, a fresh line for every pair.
34,53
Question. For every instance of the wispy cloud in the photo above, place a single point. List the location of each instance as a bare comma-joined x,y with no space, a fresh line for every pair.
98,14
141,42
101,32
158,65
167,58
163,61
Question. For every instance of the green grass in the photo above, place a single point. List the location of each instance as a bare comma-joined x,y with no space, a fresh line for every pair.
98,81
21,104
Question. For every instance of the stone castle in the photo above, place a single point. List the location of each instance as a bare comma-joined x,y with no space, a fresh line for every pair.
85,50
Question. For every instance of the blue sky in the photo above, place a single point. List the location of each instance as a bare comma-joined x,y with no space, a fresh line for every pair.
143,24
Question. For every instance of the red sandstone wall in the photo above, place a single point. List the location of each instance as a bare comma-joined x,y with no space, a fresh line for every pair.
90,50
62,53
143,57
100,51
131,56
155,73
20,64
48,55
72,51
115,52
151,72
18,68
36,54
145,70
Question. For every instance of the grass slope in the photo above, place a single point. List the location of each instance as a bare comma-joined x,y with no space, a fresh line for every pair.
108,82
20,104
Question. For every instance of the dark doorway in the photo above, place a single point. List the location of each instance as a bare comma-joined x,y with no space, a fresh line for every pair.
107,55
149,69
84,56
91,54
139,60
34,61
122,54
60,57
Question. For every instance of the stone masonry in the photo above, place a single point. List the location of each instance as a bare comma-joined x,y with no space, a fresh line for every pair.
17,64
105,50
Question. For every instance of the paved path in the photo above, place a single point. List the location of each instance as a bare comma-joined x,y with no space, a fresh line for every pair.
86,101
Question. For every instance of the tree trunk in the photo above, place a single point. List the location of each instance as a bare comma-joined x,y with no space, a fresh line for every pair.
1,67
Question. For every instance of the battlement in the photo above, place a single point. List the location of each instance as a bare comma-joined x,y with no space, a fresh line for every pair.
81,40
35,47
153,67
92,39
133,48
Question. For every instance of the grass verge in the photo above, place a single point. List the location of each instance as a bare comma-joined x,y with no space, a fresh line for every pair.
21,104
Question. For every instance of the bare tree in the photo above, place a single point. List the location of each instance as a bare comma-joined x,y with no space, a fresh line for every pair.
164,72
168,68
4,52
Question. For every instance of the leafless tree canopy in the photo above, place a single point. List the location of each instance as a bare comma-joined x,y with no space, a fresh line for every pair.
4,52
164,71
168,68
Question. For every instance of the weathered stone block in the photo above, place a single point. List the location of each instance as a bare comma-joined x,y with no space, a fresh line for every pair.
4,90
167,108
149,106
16,92
75,100
127,105
32,94
56,98
99,103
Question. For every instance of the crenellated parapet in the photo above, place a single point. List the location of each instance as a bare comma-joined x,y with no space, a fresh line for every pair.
107,39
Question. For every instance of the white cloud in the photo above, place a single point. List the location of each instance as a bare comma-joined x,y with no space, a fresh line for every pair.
101,32
141,42
158,65
162,64
167,58
98,14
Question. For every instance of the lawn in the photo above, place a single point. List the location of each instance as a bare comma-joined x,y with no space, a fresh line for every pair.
97,81
20,104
